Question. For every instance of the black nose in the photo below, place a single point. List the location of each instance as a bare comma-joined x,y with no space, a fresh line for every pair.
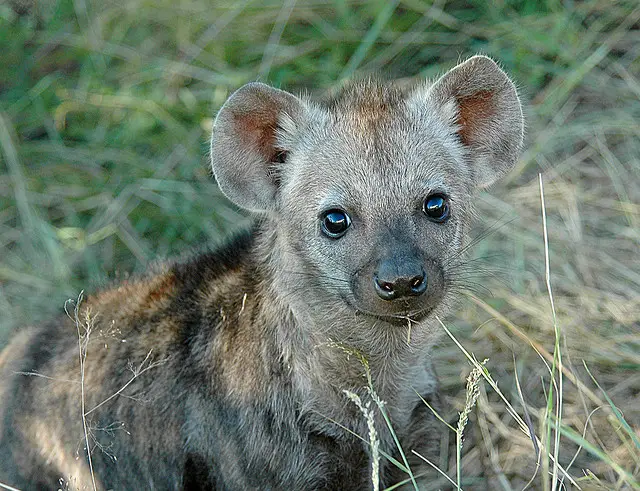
392,287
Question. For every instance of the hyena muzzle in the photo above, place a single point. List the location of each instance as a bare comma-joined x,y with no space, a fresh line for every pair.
228,370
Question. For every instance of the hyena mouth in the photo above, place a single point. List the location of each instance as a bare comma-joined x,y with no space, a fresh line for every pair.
408,318
398,319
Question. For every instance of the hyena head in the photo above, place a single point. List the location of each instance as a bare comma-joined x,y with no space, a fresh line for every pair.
370,193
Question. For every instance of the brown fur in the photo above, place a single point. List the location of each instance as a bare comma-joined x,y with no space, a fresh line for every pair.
480,105
228,370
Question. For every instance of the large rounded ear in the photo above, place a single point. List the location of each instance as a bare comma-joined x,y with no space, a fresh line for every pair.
487,114
245,149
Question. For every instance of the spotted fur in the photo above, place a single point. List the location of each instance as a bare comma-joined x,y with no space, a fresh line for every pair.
227,370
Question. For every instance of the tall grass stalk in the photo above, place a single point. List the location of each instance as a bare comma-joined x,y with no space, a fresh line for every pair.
556,368
470,401
374,442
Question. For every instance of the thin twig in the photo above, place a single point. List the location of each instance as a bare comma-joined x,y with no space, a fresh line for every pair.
82,352
136,373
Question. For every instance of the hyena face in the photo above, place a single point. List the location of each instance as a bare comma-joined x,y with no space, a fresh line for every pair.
377,201
371,192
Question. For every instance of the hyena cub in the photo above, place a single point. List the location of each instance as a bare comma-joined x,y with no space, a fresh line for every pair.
229,370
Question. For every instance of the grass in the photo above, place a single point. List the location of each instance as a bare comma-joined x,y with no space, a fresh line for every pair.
105,110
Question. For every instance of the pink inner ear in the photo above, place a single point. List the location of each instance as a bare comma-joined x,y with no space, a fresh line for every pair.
258,130
474,113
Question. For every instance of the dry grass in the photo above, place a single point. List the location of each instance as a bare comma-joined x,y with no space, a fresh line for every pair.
104,111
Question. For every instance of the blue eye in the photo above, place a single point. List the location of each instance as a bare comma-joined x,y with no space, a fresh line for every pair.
436,207
334,223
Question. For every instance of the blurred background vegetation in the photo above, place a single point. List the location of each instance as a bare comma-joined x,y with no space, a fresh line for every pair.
105,111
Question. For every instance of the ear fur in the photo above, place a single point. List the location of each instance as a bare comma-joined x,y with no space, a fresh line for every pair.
244,147
488,115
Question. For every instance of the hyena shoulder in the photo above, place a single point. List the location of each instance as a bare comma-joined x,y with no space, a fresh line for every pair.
139,342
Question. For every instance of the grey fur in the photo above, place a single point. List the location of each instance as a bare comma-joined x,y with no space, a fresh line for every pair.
494,136
244,142
260,339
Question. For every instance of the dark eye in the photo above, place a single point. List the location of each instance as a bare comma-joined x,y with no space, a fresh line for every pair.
436,207
334,223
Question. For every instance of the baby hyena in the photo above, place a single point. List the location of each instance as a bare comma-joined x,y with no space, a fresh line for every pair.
228,371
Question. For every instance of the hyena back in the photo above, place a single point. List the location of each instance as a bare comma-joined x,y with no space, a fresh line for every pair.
228,370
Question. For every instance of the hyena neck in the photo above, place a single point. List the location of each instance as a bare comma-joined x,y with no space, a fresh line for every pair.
329,345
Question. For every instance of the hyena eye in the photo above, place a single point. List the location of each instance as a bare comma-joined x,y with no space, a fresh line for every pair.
334,223
436,207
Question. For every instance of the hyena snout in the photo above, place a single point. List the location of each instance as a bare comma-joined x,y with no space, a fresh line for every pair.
400,278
